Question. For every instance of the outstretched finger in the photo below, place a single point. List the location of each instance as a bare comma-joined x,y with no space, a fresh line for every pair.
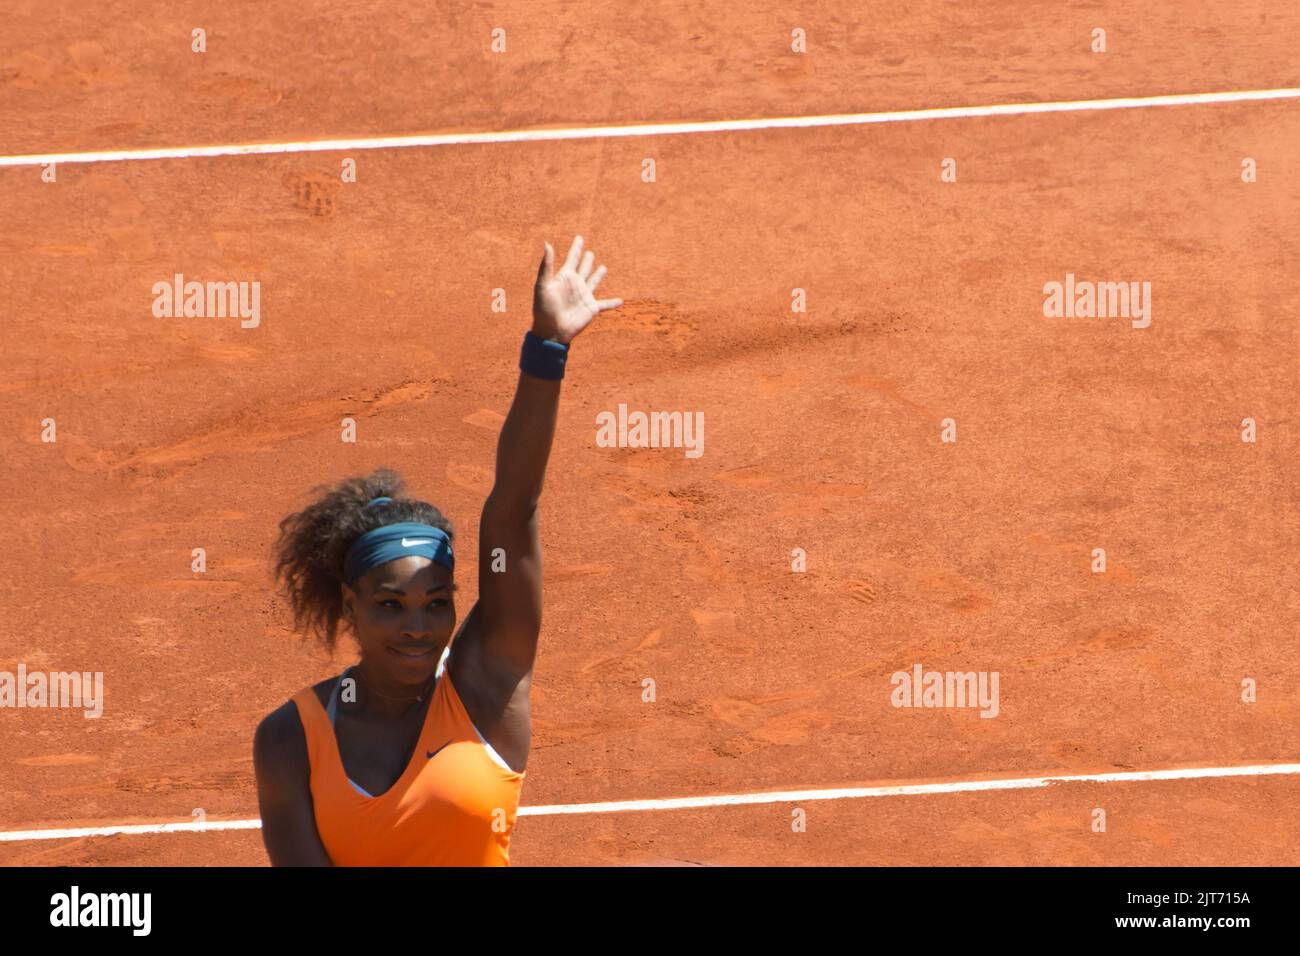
545,270
575,250
595,278
588,258
603,304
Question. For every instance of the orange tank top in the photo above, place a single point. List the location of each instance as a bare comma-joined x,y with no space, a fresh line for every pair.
454,808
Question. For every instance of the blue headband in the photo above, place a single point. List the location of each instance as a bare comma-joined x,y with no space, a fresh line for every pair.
393,541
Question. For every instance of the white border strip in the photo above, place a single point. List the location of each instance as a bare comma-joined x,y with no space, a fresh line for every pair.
650,129
732,799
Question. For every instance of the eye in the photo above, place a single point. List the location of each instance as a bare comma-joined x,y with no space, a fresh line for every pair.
439,602
391,603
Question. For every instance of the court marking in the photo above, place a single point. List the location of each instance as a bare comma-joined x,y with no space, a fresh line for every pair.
651,129
659,129
730,799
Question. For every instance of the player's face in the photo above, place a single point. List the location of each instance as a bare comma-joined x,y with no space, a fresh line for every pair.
404,614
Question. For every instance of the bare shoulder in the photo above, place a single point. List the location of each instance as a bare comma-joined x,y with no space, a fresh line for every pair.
282,766
280,744
280,735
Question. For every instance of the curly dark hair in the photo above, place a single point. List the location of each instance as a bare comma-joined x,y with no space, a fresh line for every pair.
314,542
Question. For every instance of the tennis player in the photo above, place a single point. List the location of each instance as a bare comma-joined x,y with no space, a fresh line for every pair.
415,755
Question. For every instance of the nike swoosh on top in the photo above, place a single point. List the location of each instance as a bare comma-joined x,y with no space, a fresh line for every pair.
412,542
433,753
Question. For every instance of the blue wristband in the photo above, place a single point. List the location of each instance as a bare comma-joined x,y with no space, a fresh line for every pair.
543,358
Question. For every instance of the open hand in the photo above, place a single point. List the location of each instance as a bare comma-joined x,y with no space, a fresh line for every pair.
564,302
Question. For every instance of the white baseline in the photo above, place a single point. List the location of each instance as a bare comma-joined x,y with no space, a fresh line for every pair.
732,799
652,129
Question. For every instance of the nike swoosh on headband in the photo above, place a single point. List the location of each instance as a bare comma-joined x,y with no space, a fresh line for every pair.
392,541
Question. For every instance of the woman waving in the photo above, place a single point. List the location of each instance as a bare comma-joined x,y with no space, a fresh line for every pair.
415,755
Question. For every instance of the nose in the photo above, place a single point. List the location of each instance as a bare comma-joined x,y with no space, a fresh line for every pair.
419,626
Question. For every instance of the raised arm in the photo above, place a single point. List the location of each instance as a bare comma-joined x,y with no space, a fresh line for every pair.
510,560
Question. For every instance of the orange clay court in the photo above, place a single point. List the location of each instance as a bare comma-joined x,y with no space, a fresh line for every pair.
824,429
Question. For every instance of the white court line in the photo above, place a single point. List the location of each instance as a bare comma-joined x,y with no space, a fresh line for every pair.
733,799
651,129
72,833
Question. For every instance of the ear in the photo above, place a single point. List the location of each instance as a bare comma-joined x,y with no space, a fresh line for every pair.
350,598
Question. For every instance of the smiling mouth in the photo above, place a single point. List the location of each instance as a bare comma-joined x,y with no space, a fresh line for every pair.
415,653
